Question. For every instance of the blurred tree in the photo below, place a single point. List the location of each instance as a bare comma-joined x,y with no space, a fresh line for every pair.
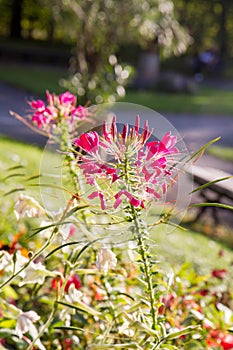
209,22
16,17
100,26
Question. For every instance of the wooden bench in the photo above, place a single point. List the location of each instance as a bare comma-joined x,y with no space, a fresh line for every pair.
214,193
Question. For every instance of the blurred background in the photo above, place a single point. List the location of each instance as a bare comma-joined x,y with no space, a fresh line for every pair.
175,57
98,47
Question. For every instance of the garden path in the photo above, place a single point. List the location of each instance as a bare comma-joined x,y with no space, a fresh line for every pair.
195,130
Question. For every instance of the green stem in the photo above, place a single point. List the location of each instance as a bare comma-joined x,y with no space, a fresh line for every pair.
140,231
47,323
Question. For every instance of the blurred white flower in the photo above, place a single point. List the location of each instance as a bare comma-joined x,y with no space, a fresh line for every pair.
25,321
36,273
27,206
105,260
73,294
25,324
5,260
12,262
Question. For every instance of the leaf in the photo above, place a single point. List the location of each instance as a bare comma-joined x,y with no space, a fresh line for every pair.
77,208
183,331
15,167
55,225
210,204
13,175
202,149
69,328
84,248
209,184
33,177
114,346
7,323
10,292
13,191
81,307
62,246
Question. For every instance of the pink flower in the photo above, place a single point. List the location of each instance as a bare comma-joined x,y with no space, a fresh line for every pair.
38,105
133,201
40,119
88,142
140,170
219,273
227,341
50,98
67,98
80,112
101,197
74,279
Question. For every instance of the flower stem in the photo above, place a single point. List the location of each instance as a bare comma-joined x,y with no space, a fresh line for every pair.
47,323
143,250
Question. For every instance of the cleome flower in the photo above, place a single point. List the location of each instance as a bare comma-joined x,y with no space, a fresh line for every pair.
126,168
48,115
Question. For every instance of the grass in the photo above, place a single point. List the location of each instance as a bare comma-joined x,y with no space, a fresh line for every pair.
175,247
207,100
225,153
32,78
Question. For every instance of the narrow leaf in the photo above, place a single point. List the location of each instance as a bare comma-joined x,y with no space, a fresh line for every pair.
13,191
15,167
202,149
209,184
218,205
81,307
183,331
69,328
77,208
62,246
13,175
114,346
84,248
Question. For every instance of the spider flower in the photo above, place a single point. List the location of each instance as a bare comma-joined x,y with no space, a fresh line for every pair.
57,108
126,168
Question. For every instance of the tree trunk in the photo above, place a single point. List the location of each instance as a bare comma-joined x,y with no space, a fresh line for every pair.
16,16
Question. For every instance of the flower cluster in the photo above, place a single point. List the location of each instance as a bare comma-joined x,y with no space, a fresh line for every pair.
125,166
64,106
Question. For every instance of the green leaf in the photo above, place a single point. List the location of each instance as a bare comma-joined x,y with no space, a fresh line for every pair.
114,346
68,328
15,167
10,292
77,208
13,175
81,307
7,323
62,246
183,331
13,191
202,149
209,184
33,177
218,205
84,248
